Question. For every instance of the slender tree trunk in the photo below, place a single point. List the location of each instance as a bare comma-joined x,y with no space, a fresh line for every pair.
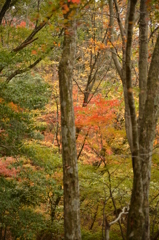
144,153
147,132
69,155
4,9
121,69
1,230
128,123
143,57
139,228
135,219
140,134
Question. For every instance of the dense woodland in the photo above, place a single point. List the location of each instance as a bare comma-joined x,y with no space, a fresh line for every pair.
79,107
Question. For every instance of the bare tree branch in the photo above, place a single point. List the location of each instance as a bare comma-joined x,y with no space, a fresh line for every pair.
79,154
30,39
125,211
115,59
122,31
24,45
4,9
78,86
129,78
20,71
151,35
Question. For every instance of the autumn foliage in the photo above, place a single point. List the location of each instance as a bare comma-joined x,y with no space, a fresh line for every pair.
5,167
99,112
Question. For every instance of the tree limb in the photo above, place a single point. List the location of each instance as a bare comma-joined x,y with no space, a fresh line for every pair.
115,59
120,214
129,77
20,71
78,86
122,31
152,33
23,45
4,9
79,154
30,39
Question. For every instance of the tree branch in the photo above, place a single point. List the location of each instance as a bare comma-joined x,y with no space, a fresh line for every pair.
23,45
4,9
79,154
122,31
115,59
30,39
129,78
78,86
120,214
20,71
152,33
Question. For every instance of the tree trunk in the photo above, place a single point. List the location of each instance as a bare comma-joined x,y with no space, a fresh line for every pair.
144,154
69,155
147,132
140,134
121,69
107,229
143,57
135,219
4,9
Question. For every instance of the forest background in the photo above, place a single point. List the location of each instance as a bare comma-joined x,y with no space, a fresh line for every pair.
110,75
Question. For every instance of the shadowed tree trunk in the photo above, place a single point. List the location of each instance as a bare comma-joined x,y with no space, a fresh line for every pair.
4,9
69,155
140,133
121,68
147,133
135,219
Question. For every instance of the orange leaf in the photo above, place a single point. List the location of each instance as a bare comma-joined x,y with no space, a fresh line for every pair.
34,52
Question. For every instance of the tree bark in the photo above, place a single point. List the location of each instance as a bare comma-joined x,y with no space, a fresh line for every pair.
144,155
69,155
121,69
135,219
140,134
142,170
143,57
147,132
4,9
